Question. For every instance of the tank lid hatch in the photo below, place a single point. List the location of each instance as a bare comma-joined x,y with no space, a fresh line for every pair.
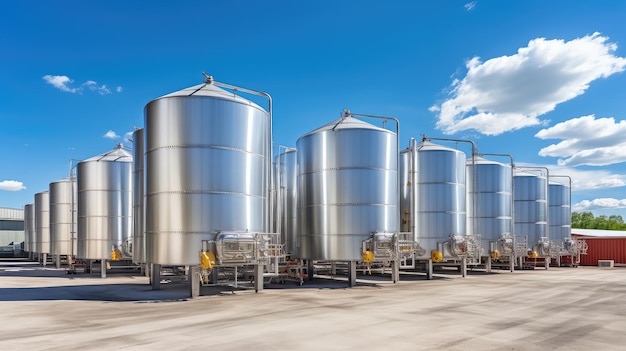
558,183
210,90
521,173
347,123
116,155
427,145
483,161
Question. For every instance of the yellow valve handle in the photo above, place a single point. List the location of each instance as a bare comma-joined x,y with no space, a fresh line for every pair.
495,254
116,255
436,256
207,260
368,256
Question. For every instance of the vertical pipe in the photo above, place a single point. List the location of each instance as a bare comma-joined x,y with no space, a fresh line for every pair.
73,209
413,189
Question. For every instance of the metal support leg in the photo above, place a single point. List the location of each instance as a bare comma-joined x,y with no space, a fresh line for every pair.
45,259
194,281
546,262
258,278
521,262
310,267
333,268
103,268
351,273
155,276
395,271
214,275
488,264
512,263
464,267
429,269
146,268
558,261
58,261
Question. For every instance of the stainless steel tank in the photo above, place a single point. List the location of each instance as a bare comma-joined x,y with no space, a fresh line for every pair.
208,159
531,209
560,214
440,195
42,222
347,188
29,227
489,200
105,201
286,176
63,198
139,219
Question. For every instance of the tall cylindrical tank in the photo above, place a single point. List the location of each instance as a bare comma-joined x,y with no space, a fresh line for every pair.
560,214
489,199
139,244
208,159
105,204
286,176
439,195
42,222
29,227
347,188
63,198
530,206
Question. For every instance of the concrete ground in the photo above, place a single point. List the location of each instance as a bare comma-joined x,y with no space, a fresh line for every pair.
560,309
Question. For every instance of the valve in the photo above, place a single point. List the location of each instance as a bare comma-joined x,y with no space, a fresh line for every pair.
436,256
207,260
367,256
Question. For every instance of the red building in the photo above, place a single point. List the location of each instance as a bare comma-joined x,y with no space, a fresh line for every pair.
602,245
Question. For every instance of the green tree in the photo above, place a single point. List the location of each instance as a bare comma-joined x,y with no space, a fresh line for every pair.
586,220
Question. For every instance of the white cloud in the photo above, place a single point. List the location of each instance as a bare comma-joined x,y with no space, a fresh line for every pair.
470,5
118,89
11,185
510,92
586,141
111,135
93,86
63,83
599,204
60,82
583,179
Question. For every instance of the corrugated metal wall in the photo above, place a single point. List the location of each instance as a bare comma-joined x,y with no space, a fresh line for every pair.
11,236
603,249
11,213
11,225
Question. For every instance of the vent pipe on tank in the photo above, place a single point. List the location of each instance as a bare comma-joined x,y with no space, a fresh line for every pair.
209,80
512,163
347,113
542,171
474,152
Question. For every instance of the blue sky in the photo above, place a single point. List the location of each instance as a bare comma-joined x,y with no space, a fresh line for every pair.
542,80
